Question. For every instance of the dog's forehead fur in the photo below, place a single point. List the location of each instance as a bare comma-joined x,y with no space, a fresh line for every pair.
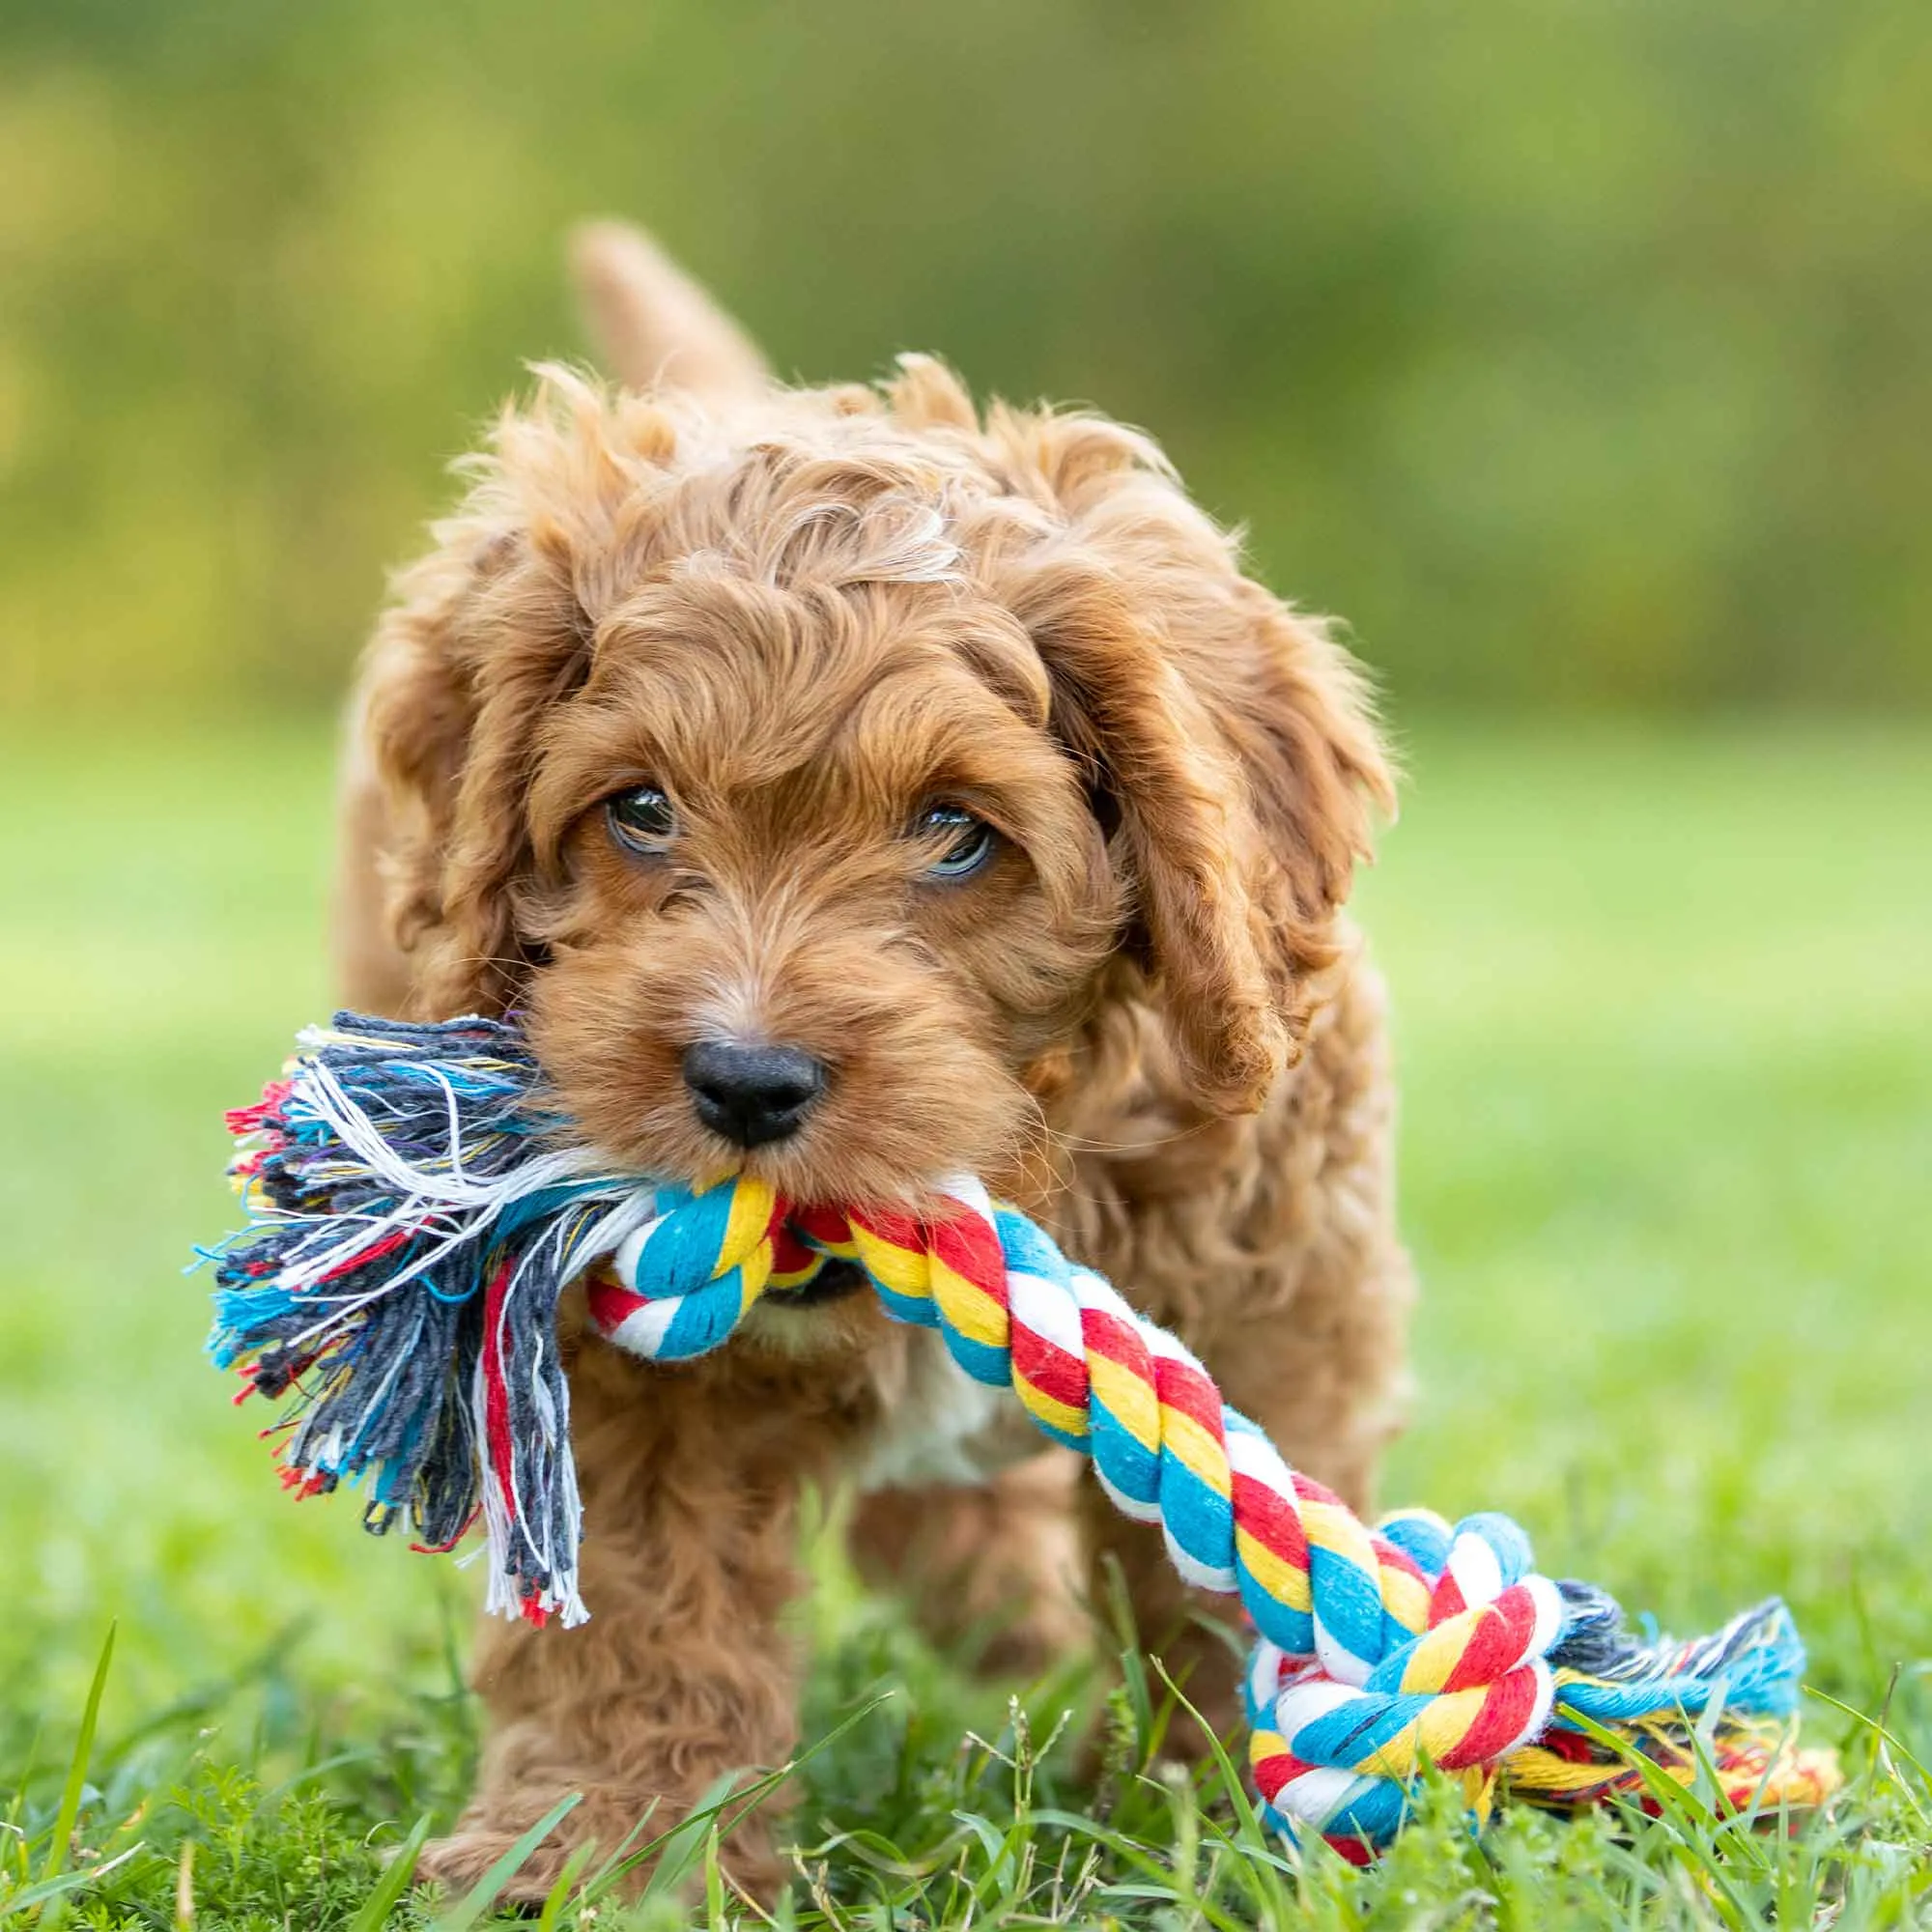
815,494
813,591
808,490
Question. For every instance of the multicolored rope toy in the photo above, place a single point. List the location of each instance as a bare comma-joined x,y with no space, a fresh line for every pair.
417,1210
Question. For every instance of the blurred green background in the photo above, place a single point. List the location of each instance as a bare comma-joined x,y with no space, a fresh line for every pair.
1576,351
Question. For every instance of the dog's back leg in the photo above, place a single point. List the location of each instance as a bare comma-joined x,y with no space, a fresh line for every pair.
994,1569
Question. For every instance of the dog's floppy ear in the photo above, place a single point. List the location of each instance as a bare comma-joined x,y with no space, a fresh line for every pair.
487,635
452,690
1230,738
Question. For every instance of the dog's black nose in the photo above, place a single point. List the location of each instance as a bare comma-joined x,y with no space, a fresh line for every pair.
751,1094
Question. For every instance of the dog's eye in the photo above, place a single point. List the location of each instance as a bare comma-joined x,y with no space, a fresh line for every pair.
643,819
962,843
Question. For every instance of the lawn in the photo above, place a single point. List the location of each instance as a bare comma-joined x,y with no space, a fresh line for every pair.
1665,1008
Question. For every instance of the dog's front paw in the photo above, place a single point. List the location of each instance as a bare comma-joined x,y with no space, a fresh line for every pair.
459,1861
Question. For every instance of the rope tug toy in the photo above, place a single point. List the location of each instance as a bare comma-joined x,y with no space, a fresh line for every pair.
416,1209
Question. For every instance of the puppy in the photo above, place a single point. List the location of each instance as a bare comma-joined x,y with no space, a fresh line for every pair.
859,787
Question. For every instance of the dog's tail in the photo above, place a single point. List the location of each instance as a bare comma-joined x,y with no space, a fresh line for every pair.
653,325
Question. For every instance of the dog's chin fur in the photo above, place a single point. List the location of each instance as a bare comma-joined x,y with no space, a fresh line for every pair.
807,616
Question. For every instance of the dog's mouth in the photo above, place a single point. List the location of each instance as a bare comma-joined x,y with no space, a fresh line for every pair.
836,1281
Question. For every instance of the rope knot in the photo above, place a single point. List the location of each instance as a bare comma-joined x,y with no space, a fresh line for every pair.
1339,1739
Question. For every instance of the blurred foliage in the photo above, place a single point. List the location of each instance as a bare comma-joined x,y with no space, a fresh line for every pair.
1575,350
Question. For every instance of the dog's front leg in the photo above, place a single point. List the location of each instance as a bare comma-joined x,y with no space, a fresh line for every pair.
690,1482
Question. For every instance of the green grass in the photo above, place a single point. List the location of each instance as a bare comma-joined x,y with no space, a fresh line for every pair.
1667,1062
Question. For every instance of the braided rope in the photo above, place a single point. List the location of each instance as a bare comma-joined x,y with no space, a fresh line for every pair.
1379,1650
416,1210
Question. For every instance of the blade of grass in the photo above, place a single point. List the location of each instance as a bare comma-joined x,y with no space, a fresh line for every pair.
676,1851
1139,1857
11,1824
1688,1819
1236,1786
714,1880
474,1903
389,1890
76,1771
185,1888
1259,1868
1885,1736
47,1889
675,1847
566,1883
1132,1659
